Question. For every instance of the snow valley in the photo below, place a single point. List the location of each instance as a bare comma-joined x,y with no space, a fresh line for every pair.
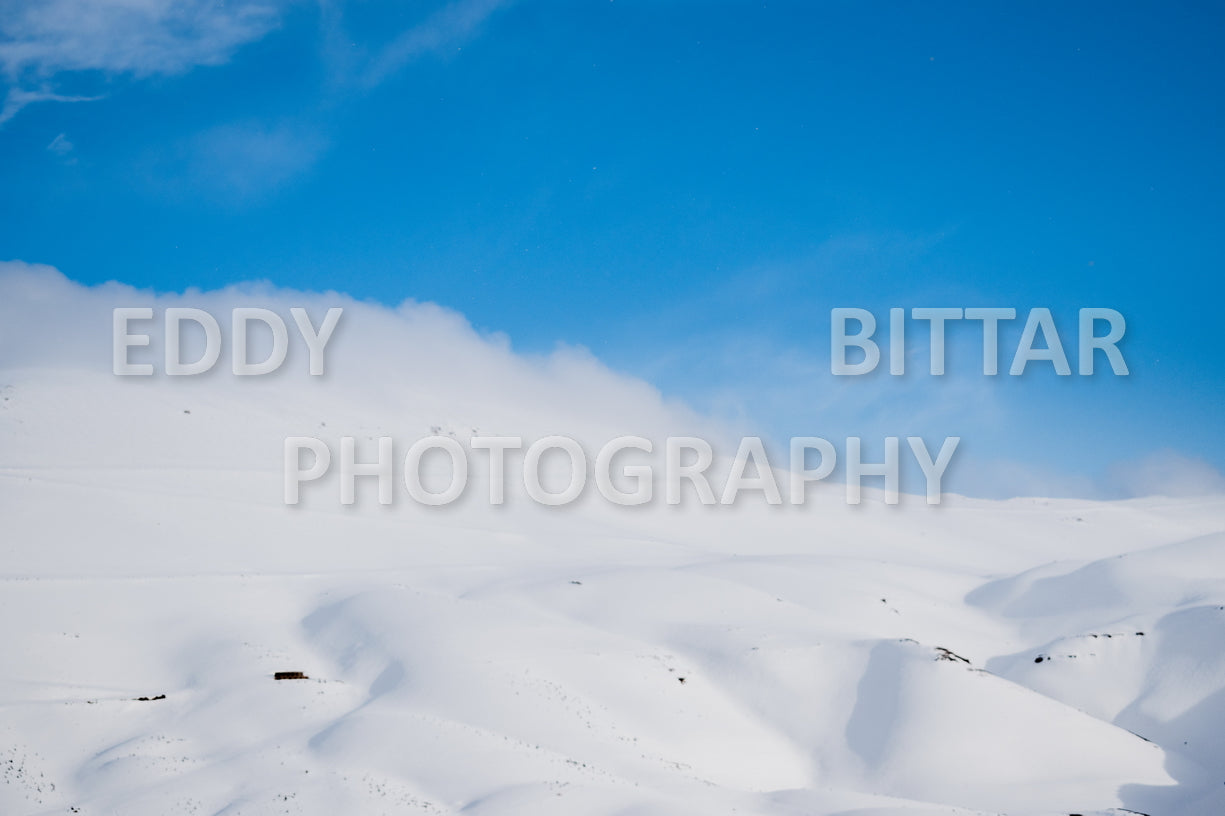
1032,656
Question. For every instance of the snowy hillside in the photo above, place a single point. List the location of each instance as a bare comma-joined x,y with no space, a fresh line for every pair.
1031,656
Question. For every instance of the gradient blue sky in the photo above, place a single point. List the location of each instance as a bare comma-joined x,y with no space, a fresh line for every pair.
684,188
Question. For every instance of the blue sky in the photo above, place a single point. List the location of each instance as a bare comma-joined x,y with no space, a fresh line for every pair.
686,189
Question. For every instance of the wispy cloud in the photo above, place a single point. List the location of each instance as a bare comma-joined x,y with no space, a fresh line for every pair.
40,41
141,37
445,28
62,149
1166,473
60,145
16,99
249,157
238,162
150,37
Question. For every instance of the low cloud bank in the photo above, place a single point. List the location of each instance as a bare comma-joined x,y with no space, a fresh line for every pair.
420,368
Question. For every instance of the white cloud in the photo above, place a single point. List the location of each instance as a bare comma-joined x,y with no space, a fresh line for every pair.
1008,478
1167,473
140,37
150,37
246,159
401,369
445,28
60,145
40,40
404,370
234,164
16,99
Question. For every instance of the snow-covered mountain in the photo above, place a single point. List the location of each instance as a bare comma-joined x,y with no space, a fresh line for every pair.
1032,656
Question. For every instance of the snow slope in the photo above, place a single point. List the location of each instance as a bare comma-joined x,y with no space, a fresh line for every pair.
977,657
